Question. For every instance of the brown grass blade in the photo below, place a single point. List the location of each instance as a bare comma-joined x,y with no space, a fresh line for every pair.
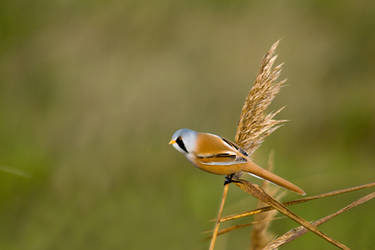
238,226
294,202
217,224
289,203
260,234
254,124
299,231
260,194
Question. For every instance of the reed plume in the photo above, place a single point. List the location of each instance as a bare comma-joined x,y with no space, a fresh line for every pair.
254,124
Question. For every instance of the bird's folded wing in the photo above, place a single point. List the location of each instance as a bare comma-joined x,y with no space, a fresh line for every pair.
225,158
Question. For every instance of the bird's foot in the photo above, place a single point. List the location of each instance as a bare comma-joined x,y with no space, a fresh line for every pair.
229,179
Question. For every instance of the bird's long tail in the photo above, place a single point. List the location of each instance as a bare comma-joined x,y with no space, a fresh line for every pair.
254,169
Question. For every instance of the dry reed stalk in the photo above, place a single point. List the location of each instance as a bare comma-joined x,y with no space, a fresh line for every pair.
238,226
260,234
258,193
254,124
217,224
299,231
294,202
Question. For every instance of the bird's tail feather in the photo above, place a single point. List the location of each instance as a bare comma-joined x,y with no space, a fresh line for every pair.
262,173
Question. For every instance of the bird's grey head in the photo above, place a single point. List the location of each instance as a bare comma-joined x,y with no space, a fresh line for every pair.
184,140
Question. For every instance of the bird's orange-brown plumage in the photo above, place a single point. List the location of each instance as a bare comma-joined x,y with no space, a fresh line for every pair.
230,160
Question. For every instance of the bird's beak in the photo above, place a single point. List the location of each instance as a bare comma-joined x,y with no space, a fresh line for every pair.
172,142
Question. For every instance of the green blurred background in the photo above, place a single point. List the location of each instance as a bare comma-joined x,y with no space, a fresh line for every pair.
91,92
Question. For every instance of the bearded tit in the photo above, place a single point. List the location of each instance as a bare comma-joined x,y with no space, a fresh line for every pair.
217,155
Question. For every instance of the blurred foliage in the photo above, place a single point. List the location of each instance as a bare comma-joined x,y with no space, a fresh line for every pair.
91,92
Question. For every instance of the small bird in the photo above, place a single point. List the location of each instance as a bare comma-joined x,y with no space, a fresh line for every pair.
217,155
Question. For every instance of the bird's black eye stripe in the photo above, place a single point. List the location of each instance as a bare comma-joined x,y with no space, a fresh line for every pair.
181,144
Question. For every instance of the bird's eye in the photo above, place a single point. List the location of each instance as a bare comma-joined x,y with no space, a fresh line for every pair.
181,144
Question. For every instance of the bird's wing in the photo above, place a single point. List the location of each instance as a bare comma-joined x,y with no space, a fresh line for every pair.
223,159
215,150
